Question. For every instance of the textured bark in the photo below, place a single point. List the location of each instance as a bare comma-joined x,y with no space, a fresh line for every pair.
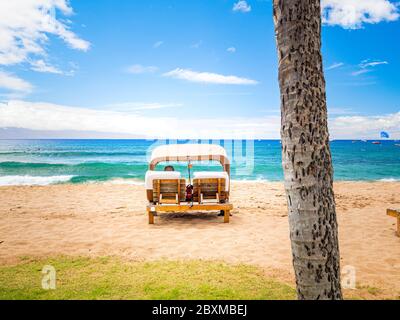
306,156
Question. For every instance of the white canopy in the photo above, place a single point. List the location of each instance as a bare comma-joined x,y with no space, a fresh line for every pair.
192,152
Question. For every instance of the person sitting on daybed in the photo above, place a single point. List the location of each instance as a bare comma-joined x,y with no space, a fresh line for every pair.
169,168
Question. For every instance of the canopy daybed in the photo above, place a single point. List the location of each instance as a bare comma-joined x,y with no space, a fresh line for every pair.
167,191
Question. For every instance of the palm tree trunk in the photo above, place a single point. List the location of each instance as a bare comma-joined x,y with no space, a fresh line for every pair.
306,156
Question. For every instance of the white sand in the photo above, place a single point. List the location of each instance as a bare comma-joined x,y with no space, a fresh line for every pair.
104,219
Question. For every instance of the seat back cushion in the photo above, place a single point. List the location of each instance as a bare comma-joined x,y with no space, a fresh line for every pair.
152,175
212,175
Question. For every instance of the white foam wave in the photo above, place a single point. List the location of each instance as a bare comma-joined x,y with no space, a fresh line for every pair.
32,180
133,182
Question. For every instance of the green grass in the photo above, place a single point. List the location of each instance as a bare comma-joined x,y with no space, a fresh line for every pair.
111,278
373,291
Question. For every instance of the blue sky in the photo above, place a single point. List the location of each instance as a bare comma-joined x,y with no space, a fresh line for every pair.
200,68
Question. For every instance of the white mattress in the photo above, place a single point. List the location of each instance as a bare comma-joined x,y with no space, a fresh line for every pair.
152,175
213,175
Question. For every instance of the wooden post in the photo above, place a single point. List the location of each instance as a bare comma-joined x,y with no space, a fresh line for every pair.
159,190
398,226
178,196
151,216
219,189
199,190
395,214
226,216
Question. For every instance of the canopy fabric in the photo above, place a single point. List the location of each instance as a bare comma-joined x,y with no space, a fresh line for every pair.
189,152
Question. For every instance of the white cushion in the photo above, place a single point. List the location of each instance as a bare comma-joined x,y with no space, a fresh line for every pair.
213,175
153,175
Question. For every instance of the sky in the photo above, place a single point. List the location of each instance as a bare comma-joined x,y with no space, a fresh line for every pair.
186,69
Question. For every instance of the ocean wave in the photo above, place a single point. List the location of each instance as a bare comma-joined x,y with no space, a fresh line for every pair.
71,153
133,182
32,180
88,164
389,180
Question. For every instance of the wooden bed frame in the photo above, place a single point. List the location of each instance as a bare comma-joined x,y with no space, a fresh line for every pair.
188,207
169,196
395,214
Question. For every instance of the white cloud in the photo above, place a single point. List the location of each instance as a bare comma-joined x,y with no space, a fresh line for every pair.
45,116
241,6
207,77
360,72
158,44
13,83
52,117
137,69
26,24
359,127
42,66
352,14
136,106
367,63
231,49
335,66
367,66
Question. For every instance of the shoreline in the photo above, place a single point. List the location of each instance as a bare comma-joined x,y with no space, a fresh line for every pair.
47,181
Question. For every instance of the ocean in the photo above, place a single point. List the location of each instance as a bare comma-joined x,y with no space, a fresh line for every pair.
42,162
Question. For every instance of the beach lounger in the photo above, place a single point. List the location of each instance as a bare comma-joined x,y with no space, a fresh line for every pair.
210,187
169,191
152,176
396,214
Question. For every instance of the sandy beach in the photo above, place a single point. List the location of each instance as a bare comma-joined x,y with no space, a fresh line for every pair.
110,220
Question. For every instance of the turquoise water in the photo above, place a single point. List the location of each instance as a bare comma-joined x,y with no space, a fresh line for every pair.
78,161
